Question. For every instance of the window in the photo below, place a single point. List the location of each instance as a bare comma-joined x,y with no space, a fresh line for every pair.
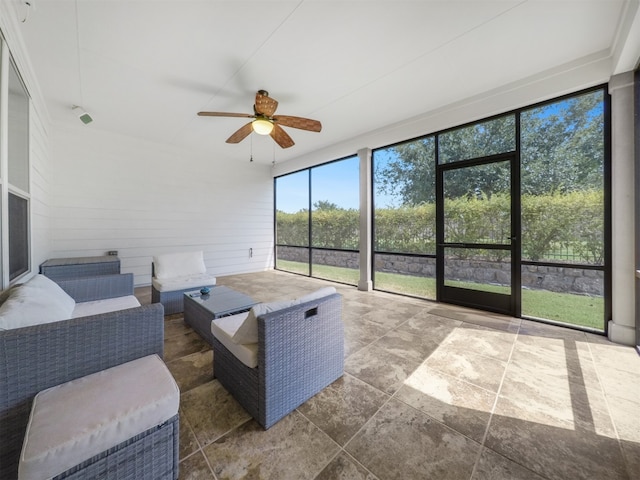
292,222
18,143
15,187
317,221
18,236
563,210
536,175
404,189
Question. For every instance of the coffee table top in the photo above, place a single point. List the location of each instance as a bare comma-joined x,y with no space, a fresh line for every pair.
221,301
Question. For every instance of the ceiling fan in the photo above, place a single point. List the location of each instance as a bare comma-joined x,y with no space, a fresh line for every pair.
266,123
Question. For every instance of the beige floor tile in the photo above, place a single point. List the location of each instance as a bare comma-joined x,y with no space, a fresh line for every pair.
195,468
372,299
553,400
342,408
175,325
476,317
179,346
492,466
556,357
353,345
344,467
480,340
192,370
626,417
538,329
485,372
631,452
391,318
354,308
607,355
408,345
212,411
380,368
400,442
556,453
460,405
292,449
621,383
188,442
356,329
434,327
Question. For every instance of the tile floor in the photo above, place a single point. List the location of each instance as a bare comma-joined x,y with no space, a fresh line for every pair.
430,391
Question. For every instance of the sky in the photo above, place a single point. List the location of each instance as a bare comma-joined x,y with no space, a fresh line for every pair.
336,182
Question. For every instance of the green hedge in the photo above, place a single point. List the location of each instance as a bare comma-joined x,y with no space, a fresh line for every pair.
558,226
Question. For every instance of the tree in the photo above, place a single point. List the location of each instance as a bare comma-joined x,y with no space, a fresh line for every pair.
563,146
325,205
562,151
409,172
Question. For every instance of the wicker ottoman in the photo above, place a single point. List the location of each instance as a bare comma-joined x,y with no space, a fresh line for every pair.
117,423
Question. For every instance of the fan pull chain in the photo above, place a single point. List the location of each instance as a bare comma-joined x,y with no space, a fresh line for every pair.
251,153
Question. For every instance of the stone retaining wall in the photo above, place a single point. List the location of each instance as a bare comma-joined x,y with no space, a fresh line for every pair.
554,279
322,257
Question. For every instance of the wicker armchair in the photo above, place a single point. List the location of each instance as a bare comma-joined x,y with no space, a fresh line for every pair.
300,352
38,357
174,274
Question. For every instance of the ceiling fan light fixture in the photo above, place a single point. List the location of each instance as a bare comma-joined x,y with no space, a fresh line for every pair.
262,126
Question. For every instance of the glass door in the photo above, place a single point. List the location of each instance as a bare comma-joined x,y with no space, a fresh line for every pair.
478,244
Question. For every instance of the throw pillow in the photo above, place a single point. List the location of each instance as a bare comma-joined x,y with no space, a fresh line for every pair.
248,332
39,286
35,302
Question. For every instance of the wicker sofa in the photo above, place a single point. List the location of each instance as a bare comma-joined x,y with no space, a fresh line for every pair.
40,356
299,352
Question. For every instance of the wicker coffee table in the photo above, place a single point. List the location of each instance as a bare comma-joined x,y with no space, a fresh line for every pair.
200,310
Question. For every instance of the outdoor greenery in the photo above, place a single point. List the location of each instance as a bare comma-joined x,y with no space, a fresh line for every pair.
554,226
581,310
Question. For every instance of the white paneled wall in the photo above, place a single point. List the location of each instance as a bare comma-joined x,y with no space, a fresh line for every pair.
142,199
41,189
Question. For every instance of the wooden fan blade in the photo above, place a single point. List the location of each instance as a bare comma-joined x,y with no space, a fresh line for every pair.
298,122
265,105
240,134
225,114
281,137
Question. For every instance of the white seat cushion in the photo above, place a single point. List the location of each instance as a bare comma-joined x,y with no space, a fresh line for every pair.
181,264
184,282
106,305
225,328
77,420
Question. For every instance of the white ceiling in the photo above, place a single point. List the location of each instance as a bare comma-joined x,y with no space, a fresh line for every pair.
145,68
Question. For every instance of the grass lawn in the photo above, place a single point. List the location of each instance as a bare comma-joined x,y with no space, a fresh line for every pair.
581,310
